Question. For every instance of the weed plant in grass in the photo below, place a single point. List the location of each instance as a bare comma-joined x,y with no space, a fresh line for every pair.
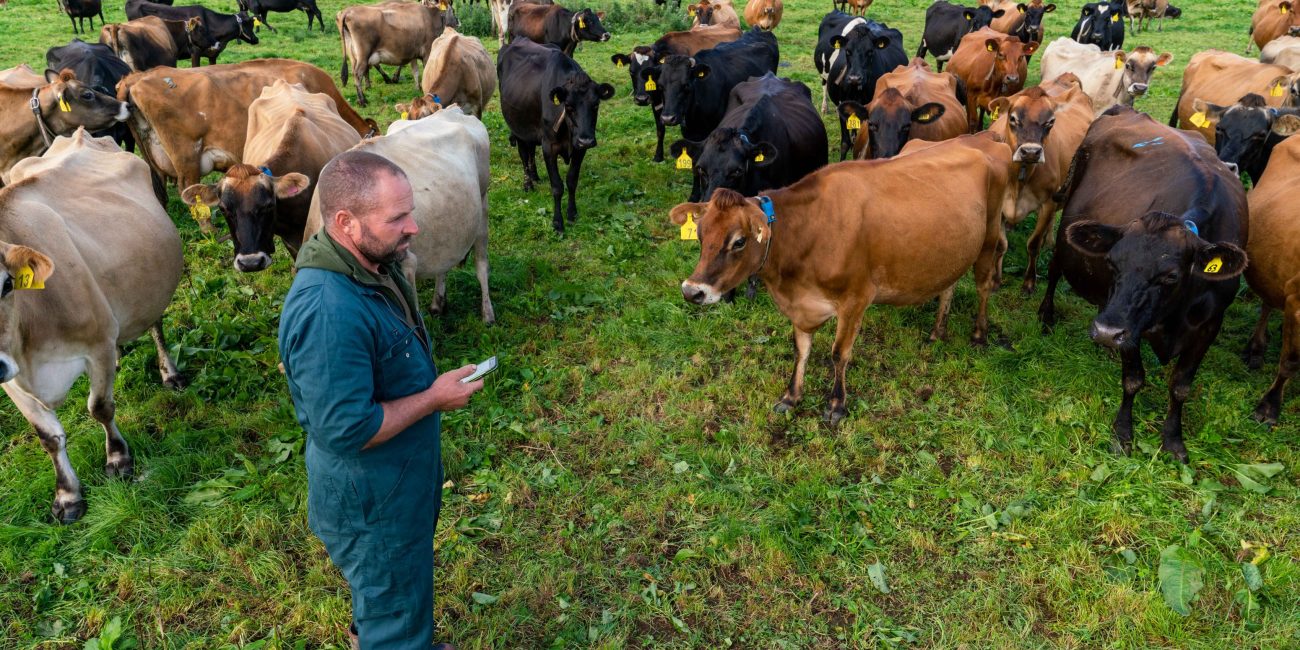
621,482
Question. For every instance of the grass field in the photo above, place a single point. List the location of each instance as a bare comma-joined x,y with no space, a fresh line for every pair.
622,481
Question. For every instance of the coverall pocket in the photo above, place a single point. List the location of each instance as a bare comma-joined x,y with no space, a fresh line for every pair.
382,490
383,607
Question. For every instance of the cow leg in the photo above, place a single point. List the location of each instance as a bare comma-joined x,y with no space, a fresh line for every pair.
1047,309
973,115
397,75
575,171
940,330
361,76
481,270
68,505
171,376
557,188
1046,216
999,253
1133,379
439,303
1270,406
415,73
823,96
846,144
847,322
1253,355
1180,385
659,136
794,390
528,157
117,455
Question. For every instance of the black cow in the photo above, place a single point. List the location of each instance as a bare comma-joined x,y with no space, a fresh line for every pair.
260,8
1029,27
696,87
770,137
1102,24
547,100
98,67
946,23
79,10
852,54
1246,132
222,27
1165,276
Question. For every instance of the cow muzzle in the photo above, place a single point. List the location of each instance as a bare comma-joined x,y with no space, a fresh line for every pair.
586,143
1137,90
1232,167
8,368
249,262
1028,153
123,111
604,37
700,294
669,120
1111,337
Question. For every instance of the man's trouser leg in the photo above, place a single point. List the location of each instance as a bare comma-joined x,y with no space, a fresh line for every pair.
392,588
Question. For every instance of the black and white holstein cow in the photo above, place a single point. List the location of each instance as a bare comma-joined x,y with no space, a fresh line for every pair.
76,284
1101,24
1163,268
852,54
946,23
548,101
1246,132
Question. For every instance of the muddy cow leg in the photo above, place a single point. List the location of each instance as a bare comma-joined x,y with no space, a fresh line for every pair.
846,332
102,369
794,391
68,505
171,377
1253,355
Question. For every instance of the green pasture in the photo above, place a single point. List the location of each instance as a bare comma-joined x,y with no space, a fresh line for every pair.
622,481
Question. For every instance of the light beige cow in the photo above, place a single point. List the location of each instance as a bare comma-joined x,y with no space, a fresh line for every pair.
21,76
1109,78
459,70
108,275
1283,50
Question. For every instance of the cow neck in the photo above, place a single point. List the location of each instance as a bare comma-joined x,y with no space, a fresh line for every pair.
46,133
780,219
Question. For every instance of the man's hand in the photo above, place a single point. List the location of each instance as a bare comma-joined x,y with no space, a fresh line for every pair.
449,394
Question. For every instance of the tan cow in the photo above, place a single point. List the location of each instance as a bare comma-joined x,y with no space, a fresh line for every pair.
714,13
108,273
445,156
21,76
1147,10
911,103
192,121
1044,126
1109,78
764,14
1273,246
389,33
63,104
459,70
854,234
292,133
1273,18
1283,50
857,7
1219,77
992,65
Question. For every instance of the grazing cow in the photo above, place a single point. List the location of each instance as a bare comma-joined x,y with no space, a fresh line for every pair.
459,70
223,28
391,33
107,272
1217,77
1150,233
1274,271
1044,126
992,65
1148,10
715,13
548,100
21,76
260,8
79,10
945,25
151,42
446,158
1101,24
764,14
1283,50
1273,18
911,103
696,88
851,55
1246,132
556,25
770,137
645,92
62,105
1108,78
418,108
1024,21
190,122
292,133
858,7
854,234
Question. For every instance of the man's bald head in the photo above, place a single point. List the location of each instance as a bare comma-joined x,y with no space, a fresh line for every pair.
350,182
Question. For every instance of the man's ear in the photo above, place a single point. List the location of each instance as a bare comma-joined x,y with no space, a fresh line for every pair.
678,214
1220,261
290,185
200,193
18,256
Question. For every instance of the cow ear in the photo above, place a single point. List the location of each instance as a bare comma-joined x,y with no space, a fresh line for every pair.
558,95
700,70
999,13
1220,261
404,109
1000,106
849,108
837,41
1049,8
1022,7
290,185
678,214
1030,48
1285,7
1164,59
1092,238
205,194
762,154
600,15
604,91
620,60
692,149
17,256
882,42
928,113
1087,11
1286,125
968,14
992,44
1212,112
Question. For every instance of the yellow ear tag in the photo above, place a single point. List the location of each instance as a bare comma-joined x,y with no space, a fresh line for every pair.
1284,9
650,84
689,231
405,114
837,45
1277,90
555,100
1198,120
63,105
1214,265
684,161
690,11
582,24
1119,63
618,63
442,6
759,157
995,113
26,279
989,47
853,123
201,212
257,23
1114,18
1020,9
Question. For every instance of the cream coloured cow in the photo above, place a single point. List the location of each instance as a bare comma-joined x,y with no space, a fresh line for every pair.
1283,50
445,156
108,274
1109,78
459,70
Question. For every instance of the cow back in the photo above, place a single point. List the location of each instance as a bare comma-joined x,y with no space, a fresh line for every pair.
919,85
459,70
1220,77
1274,242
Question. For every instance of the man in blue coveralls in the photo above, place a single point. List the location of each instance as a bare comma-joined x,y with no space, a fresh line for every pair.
367,393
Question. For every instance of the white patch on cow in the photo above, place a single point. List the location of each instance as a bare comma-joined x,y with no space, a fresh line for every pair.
946,55
711,295
123,112
640,58
848,27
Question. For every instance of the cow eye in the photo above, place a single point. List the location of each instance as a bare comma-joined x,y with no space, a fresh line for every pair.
1169,278
1013,120
8,286
87,95
738,244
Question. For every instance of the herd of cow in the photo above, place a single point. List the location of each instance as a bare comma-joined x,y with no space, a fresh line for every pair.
1154,226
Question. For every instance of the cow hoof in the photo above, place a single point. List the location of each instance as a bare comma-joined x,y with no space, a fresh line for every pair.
834,415
122,468
979,340
528,185
1121,447
175,382
783,406
1254,360
658,158
1265,413
68,513
1027,289
1177,450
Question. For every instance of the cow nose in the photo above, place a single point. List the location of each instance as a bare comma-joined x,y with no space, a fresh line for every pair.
1138,89
693,293
1013,78
8,368
855,79
250,262
586,143
1111,337
604,37
123,112
641,100
1232,167
1030,153
670,120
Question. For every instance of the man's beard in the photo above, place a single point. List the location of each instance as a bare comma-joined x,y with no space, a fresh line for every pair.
377,253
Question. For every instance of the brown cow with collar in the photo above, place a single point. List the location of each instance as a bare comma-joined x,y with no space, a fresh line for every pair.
911,103
854,234
992,65
62,105
390,33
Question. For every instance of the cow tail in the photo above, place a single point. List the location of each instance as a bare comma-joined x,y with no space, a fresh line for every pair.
920,51
961,89
1077,163
343,39
1173,119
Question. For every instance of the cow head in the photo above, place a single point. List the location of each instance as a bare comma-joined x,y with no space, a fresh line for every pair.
245,23
21,268
1139,65
67,103
1032,25
575,106
1242,131
676,76
444,15
1030,117
198,35
420,107
978,18
889,119
640,60
725,160
1095,19
702,12
1010,62
248,196
1154,261
733,235
860,48
587,27
1288,9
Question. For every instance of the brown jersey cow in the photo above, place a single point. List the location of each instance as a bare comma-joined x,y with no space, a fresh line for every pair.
1218,77
911,103
391,33
459,70
764,14
992,65
1273,18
